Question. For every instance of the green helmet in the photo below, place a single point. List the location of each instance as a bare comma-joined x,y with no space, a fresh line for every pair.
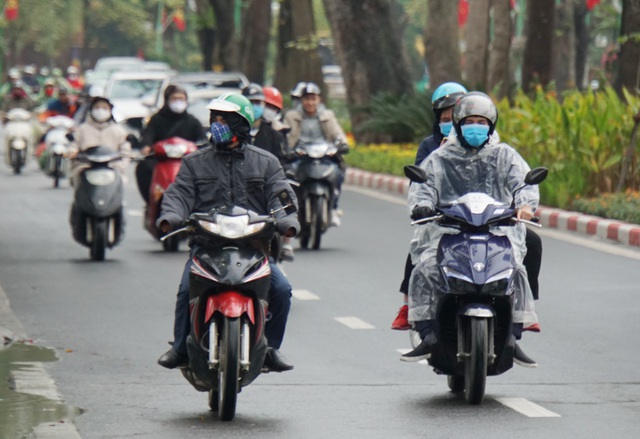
233,103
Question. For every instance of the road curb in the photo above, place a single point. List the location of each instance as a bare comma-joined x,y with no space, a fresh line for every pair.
610,230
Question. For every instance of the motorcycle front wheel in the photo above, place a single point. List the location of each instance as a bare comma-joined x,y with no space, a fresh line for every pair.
318,213
17,160
229,369
475,367
57,170
98,239
171,244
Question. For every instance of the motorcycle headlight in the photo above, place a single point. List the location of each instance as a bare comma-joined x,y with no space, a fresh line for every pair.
176,151
19,144
498,283
232,227
458,282
317,150
58,148
100,177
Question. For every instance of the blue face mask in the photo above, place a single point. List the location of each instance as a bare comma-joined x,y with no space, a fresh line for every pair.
258,111
445,128
220,133
475,134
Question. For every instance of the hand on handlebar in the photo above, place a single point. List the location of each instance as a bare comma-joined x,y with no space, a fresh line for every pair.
165,227
420,212
524,213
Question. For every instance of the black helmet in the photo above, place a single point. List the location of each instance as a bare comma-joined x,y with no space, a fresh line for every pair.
253,92
310,88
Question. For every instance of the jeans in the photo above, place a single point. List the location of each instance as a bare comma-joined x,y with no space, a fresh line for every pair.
279,305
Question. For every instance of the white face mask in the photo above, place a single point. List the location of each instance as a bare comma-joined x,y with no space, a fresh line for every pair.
100,114
269,114
178,106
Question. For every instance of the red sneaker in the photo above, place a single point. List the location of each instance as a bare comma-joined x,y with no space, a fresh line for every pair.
533,328
401,322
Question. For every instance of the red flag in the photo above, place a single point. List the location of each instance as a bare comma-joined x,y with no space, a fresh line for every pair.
463,12
11,10
592,4
178,19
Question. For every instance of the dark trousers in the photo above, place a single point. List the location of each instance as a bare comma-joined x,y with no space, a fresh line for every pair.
279,305
144,173
532,262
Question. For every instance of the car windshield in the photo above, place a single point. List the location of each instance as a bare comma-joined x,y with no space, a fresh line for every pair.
135,88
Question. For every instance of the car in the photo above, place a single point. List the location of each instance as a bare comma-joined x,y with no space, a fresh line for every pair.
233,81
156,66
199,101
117,63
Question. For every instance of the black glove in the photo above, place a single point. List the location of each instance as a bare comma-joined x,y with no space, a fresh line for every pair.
420,212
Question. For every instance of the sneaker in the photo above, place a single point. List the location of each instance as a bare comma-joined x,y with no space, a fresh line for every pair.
287,253
335,218
521,359
533,328
401,322
422,352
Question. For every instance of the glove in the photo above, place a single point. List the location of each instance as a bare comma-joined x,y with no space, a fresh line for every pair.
420,212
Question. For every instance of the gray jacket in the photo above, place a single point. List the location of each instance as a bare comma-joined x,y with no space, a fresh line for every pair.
245,176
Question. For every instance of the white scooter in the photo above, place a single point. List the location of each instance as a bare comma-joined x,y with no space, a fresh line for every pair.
54,162
18,138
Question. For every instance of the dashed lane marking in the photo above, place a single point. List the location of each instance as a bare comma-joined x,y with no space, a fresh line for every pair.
354,323
304,295
527,408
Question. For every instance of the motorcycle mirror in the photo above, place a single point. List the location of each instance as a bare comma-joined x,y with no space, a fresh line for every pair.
131,138
69,137
415,173
536,176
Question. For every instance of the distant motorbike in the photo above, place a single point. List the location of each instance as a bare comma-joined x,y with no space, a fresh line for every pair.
18,138
169,154
97,218
474,316
316,168
229,281
53,159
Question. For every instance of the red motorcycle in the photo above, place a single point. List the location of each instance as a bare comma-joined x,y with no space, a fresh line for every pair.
169,154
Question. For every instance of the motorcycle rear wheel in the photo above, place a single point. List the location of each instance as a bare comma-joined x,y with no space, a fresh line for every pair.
98,239
229,369
475,367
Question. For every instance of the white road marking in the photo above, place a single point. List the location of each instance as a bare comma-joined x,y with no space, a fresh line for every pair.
404,351
135,212
304,295
354,323
527,408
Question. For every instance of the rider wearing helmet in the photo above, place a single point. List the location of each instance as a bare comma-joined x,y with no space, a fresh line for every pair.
16,98
474,160
443,99
74,79
273,106
263,135
231,171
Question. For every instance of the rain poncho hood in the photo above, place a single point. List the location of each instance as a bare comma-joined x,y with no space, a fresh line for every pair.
452,171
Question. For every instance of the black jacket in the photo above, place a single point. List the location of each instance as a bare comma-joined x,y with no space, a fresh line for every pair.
428,145
271,140
165,124
245,176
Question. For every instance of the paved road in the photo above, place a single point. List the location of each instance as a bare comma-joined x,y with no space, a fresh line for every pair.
108,323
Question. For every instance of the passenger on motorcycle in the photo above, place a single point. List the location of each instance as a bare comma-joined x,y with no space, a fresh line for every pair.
172,120
471,160
64,105
233,171
312,121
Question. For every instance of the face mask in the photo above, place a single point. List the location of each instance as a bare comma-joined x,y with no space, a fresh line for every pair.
445,128
220,133
178,106
269,114
258,110
475,134
100,114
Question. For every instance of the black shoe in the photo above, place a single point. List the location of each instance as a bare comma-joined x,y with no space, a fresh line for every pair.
421,352
274,361
172,359
521,359
287,253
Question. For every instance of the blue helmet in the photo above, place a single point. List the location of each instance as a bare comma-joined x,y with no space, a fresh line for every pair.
446,95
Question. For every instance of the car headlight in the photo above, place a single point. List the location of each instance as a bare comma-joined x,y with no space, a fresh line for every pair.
232,227
100,177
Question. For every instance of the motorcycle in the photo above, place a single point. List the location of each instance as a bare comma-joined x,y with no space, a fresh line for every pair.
53,160
228,297
18,138
473,324
317,170
169,154
97,218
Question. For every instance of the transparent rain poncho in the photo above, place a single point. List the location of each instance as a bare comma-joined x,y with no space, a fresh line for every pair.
452,171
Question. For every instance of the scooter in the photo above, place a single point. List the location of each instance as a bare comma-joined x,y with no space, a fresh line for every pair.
18,138
97,218
228,297
473,324
317,170
169,154
53,160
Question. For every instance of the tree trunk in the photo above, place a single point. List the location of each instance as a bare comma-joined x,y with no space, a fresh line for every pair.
629,67
538,59
206,32
298,56
442,52
499,80
369,50
564,48
582,44
225,54
477,39
255,40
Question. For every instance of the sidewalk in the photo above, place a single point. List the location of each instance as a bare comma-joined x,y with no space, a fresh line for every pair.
618,231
